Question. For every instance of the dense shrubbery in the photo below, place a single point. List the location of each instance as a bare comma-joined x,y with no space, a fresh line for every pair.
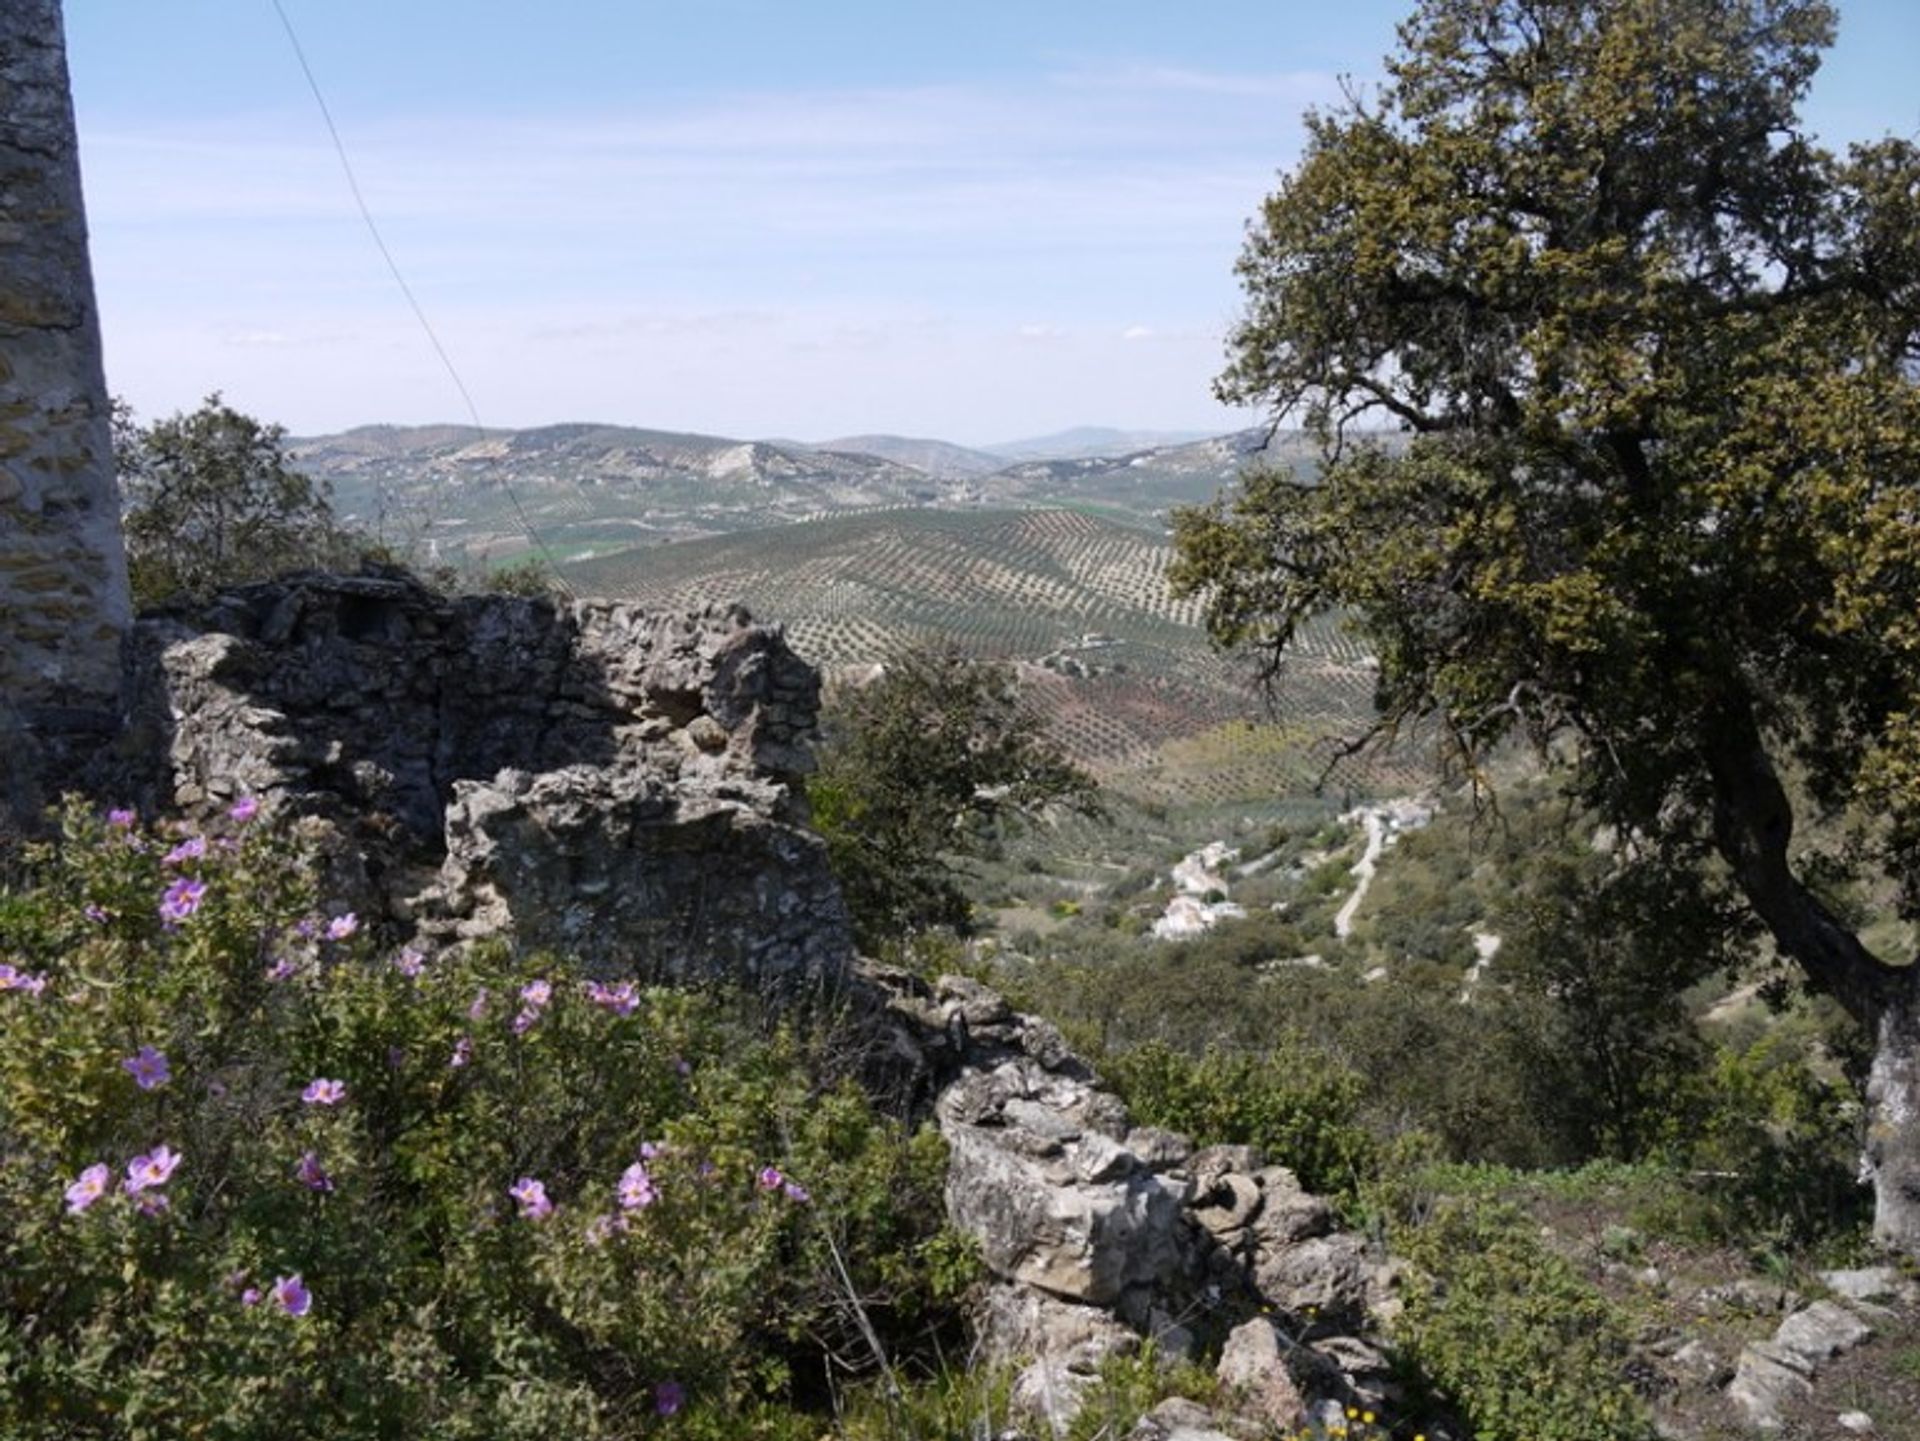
1297,1108
263,1179
1509,1333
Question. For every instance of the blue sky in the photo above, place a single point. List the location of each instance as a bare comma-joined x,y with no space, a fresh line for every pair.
976,221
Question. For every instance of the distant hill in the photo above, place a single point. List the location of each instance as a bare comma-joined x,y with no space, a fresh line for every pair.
936,457
590,488
1086,440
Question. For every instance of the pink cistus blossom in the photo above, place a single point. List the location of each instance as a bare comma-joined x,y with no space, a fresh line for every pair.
669,1397
770,1178
244,809
148,1068
410,962
340,927
90,1187
636,1190
120,818
181,900
153,1168
292,1294
622,998
532,1197
311,1174
14,979
322,1092
796,1193
462,1053
191,849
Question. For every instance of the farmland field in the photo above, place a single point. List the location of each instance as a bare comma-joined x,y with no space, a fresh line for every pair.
1077,603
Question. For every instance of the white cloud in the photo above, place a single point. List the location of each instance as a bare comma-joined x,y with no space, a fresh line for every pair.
638,249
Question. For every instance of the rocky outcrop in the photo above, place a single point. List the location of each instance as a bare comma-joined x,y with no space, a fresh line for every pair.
1101,1234
586,776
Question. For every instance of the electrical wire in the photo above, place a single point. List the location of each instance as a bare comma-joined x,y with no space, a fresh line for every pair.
399,279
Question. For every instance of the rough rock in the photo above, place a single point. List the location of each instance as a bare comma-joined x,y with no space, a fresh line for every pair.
1325,1276
1772,1373
1178,1419
1821,1332
592,776
1871,1283
1764,1383
1253,1370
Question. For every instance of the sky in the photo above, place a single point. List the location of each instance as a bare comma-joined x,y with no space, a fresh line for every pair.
798,218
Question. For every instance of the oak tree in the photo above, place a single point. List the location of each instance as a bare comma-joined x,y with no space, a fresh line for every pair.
1614,372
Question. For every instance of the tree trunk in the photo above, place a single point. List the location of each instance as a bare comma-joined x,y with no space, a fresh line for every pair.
1892,1160
1753,824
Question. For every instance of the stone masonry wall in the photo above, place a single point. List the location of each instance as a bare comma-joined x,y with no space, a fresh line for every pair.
617,784
63,583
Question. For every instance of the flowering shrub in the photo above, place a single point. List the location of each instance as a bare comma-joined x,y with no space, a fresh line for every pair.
260,1177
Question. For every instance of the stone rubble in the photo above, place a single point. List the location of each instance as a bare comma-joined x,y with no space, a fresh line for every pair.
1101,1235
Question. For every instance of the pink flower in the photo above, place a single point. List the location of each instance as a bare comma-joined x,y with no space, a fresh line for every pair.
250,1296
340,927
148,1068
323,1092
410,963
154,1168
283,969
478,1010
621,999
462,1052
524,1020
537,993
292,1294
796,1193
191,849
244,809
91,1186
532,1196
636,1190
99,915
311,1174
120,819
770,1178
154,1203
181,900
14,979
669,1397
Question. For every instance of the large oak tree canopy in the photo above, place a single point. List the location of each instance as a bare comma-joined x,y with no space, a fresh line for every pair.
1651,353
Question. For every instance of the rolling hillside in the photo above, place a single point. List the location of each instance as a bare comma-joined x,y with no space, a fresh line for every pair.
1123,673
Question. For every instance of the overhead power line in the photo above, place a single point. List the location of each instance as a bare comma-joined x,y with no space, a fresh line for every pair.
399,279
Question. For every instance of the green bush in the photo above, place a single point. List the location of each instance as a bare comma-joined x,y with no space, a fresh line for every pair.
261,1179
1299,1109
1507,1332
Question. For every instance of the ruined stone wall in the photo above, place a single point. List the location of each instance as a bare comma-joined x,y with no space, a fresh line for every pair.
63,580
618,784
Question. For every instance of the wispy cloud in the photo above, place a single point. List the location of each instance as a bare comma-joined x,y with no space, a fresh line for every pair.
811,222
